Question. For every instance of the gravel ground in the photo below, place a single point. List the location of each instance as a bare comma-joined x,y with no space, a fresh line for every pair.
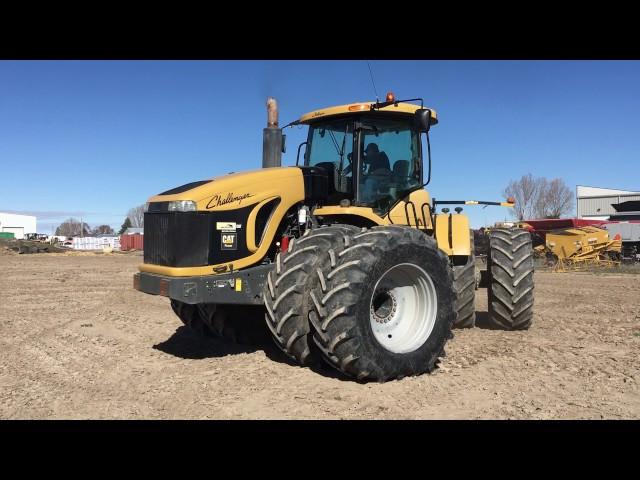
76,341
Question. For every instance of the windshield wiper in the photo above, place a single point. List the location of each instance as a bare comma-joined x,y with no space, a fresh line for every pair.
341,152
335,142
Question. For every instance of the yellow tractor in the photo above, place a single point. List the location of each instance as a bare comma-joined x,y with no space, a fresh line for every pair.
345,253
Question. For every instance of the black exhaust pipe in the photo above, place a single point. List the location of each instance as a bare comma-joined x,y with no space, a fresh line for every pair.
272,137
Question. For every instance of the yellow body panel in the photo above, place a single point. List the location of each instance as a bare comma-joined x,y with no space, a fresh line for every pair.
364,212
358,107
418,200
460,239
458,225
234,191
397,216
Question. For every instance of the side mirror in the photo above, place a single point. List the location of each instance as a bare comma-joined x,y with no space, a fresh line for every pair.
284,144
298,155
422,119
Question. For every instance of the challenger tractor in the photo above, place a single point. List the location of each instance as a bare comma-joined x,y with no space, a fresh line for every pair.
345,254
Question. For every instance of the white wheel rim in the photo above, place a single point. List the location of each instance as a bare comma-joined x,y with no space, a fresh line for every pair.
403,308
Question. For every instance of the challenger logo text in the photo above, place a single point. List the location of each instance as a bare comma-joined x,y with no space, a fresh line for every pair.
220,199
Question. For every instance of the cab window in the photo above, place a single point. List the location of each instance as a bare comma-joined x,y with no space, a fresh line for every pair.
330,146
390,162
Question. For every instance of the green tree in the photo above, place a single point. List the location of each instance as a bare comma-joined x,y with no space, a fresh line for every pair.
125,225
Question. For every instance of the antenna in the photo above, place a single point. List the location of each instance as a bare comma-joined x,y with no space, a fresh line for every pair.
374,83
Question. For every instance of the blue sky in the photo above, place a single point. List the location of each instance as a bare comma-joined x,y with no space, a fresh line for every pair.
95,138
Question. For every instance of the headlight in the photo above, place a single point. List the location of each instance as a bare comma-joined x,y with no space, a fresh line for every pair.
182,206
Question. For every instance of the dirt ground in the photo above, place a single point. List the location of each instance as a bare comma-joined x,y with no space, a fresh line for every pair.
76,341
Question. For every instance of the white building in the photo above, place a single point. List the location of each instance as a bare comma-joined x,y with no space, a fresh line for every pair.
19,225
595,202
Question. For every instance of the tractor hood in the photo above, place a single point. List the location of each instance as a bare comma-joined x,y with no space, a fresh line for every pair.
237,190
219,225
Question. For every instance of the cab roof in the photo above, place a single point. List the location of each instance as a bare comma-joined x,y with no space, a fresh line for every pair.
360,107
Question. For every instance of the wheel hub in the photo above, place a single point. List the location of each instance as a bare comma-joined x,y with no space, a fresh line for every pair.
403,308
383,306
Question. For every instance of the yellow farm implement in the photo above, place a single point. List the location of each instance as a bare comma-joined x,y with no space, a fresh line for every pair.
581,248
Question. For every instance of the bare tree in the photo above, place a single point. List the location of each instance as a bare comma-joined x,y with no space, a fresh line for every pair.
539,197
136,215
525,192
558,199
540,205
73,228
103,230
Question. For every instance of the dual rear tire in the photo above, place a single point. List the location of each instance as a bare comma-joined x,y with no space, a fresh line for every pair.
375,304
286,291
510,284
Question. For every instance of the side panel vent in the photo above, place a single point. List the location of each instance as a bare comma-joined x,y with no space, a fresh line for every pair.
262,218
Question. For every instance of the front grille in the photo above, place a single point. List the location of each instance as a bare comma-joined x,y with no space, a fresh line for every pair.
177,239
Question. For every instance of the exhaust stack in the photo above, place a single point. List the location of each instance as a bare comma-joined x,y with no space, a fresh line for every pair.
272,137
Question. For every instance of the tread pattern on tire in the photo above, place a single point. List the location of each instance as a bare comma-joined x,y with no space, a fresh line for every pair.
510,266
333,317
286,291
464,284
233,324
190,316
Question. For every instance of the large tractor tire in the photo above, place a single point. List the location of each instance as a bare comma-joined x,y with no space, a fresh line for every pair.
242,325
464,284
510,267
384,308
286,292
190,316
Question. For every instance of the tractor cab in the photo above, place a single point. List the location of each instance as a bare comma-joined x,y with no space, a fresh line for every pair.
372,152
